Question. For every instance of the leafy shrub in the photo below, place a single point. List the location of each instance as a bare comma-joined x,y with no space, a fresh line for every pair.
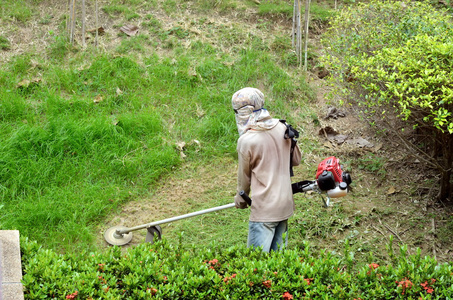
414,78
360,31
163,271
399,64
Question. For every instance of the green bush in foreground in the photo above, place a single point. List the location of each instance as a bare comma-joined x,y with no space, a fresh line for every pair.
163,271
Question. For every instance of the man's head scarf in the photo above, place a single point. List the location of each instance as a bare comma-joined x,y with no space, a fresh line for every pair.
250,114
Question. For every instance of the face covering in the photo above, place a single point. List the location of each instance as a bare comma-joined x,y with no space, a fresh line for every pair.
248,106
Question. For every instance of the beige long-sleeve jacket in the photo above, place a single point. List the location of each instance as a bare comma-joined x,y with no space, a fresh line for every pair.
264,168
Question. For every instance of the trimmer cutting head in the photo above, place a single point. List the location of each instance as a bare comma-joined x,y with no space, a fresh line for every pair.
113,238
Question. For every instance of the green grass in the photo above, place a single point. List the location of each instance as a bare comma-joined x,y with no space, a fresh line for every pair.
98,129
4,43
318,11
372,163
321,12
16,11
276,7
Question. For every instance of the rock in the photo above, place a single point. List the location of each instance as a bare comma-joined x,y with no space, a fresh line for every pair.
334,112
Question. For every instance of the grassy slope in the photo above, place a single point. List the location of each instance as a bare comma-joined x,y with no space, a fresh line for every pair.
95,142
85,130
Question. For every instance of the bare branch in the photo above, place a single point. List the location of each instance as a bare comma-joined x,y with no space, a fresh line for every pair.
424,157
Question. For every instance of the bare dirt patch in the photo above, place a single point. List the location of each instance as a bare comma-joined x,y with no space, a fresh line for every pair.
392,192
180,193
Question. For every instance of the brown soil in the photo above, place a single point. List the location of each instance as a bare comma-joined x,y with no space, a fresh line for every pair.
398,202
175,195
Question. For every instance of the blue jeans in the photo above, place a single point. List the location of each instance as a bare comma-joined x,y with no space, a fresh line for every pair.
268,235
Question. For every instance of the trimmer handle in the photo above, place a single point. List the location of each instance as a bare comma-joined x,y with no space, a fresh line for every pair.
303,186
297,187
245,197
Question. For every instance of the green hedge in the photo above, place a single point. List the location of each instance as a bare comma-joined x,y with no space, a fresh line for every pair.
165,271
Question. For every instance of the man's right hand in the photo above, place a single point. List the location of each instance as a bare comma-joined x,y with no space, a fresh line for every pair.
240,204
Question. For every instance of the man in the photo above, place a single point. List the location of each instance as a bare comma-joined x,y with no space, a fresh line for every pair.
264,157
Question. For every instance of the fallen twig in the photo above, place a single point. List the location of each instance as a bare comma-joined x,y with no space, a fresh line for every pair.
393,232
377,229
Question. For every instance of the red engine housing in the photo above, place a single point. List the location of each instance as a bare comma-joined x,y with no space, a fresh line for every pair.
331,164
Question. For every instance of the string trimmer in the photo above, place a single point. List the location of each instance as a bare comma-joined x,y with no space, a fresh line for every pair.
330,181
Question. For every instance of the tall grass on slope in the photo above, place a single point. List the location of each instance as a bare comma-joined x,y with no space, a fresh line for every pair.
58,179
88,136
66,162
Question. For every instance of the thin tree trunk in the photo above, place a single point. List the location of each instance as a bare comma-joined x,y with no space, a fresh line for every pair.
83,22
445,186
97,27
68,20
299,35
307,20
72,22
293,32
446,191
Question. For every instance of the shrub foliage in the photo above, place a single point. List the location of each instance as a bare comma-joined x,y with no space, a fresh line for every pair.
163,271
395,59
